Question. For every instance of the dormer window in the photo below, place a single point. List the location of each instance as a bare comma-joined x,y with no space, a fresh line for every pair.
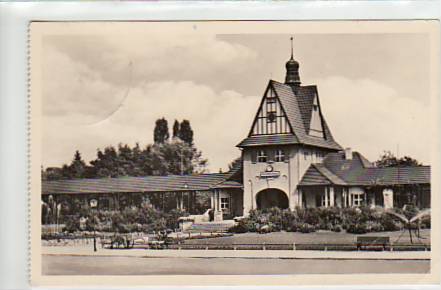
316,128
261,156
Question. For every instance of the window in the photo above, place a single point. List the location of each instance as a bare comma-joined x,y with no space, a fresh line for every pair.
271,117
306,154
261,156
324,200
279,156
225,203
357,199
270,100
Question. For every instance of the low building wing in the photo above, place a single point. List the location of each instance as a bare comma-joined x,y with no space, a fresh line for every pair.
337,169
170,183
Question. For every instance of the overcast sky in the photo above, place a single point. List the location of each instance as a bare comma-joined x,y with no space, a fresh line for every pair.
107,89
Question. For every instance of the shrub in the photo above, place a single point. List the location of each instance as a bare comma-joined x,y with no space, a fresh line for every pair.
388,223
239,228
425,223
357,229
337,229
72,223
375,227
306,228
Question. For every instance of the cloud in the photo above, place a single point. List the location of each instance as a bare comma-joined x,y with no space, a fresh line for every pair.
219,120
102,90
153,57
371,117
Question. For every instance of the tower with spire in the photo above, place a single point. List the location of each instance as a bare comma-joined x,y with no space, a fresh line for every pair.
292,70
288,134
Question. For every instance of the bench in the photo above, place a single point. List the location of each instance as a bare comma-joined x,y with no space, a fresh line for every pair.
372,241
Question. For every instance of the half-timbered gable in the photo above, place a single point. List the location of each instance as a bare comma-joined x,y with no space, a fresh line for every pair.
270,118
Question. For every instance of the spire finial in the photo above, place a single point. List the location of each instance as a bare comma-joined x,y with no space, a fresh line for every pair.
292,54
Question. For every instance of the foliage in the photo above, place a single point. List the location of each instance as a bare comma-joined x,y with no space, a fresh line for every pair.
357,229
388,159
240,227
176,128
354,220
174,157
131,219
306,228
235,163
160,133
185,132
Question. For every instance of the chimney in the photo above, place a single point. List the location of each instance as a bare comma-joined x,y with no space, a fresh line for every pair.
348,153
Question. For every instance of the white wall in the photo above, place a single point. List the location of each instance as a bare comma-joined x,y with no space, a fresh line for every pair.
291,172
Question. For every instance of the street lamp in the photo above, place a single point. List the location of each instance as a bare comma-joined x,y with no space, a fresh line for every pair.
93,205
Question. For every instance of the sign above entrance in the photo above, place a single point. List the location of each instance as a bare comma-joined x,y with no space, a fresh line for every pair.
269,174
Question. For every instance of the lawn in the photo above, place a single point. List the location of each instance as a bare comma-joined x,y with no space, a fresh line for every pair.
319,237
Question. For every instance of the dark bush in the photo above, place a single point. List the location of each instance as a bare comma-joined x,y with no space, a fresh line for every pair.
357,229
239,228
425,223
306,228
337,229
388,223
72,223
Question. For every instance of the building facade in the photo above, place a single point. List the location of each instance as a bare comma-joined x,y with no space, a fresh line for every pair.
289,159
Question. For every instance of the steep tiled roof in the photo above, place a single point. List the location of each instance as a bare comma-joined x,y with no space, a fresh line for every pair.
297,103
257,140
313,176
359,171
139,184
328,174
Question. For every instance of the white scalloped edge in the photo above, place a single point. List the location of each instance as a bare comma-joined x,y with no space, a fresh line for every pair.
28,155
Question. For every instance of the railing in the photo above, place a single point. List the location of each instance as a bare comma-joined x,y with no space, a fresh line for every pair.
294,246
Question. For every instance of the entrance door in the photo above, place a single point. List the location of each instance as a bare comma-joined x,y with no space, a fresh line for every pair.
272,197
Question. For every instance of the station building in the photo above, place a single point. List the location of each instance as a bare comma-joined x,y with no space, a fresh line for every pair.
289,159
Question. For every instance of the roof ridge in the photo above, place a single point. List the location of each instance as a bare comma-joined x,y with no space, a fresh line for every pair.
328,173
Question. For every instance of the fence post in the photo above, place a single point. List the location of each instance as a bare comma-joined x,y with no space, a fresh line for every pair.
264,246
206,246
391,247
293,246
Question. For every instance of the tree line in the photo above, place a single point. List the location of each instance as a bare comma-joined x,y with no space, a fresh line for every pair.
176,155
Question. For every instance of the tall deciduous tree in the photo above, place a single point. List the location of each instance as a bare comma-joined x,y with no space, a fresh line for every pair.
388,159
185,132
161,134
76,169
235,163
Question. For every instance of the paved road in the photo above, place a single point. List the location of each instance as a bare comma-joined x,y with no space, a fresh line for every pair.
100,265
